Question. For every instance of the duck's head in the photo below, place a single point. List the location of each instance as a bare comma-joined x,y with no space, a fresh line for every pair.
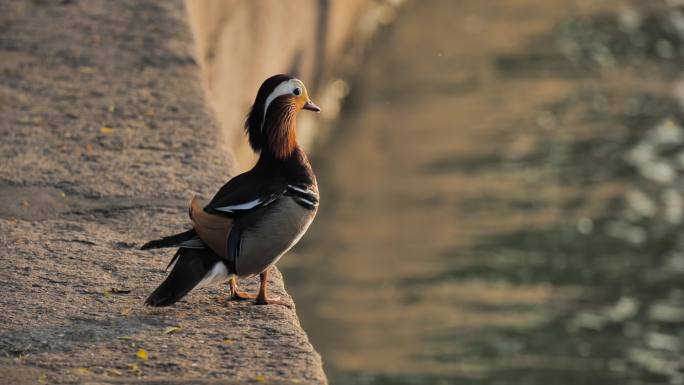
271,124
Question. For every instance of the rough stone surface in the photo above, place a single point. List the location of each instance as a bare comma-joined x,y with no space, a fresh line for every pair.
105,137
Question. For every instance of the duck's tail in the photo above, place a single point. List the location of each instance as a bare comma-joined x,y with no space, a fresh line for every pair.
193,268
184,239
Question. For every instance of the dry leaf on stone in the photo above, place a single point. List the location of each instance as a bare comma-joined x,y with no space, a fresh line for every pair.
113,372
83,371
172,329
135,368
114,290
106,130
142,354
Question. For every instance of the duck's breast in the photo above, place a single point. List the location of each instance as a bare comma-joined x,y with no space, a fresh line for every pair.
262,244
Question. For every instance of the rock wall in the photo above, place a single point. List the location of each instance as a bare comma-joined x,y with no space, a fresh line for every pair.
106,136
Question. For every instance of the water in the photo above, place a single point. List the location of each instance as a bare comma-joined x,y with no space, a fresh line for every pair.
501,200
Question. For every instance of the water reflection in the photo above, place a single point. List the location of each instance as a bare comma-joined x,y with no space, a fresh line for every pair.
502,202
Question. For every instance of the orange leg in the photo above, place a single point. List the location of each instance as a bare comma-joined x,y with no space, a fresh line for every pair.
237,294
262,298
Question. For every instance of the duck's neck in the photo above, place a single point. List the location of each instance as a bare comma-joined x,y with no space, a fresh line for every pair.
295,166
280,124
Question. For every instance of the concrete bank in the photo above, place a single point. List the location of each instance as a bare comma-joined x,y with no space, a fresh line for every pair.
105,137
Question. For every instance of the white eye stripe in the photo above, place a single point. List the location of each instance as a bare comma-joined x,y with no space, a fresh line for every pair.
284,88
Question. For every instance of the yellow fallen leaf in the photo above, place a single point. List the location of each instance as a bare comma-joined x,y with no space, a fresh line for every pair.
125,338
42,379
83,371
86,69
113,372
296,381
135,368
149,112
142,354
172,329
107,293
111,108
228,341
125,312
106,130
260,378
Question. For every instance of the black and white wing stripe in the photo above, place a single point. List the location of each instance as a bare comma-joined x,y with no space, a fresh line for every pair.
247,206
303,195
250,191
245,193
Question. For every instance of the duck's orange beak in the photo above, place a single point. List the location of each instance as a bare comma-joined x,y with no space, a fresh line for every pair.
311,106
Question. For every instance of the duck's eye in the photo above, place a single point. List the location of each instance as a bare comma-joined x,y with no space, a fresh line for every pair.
297,91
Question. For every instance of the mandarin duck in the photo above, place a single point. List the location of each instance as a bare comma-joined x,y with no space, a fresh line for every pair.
255,217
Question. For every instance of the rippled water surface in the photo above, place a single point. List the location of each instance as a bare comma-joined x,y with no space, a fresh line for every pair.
502,200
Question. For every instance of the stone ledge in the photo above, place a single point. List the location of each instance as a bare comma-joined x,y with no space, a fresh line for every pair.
106,135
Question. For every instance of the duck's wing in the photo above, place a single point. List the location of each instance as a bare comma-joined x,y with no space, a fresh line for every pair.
212,229
240,205
245,193
235,206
